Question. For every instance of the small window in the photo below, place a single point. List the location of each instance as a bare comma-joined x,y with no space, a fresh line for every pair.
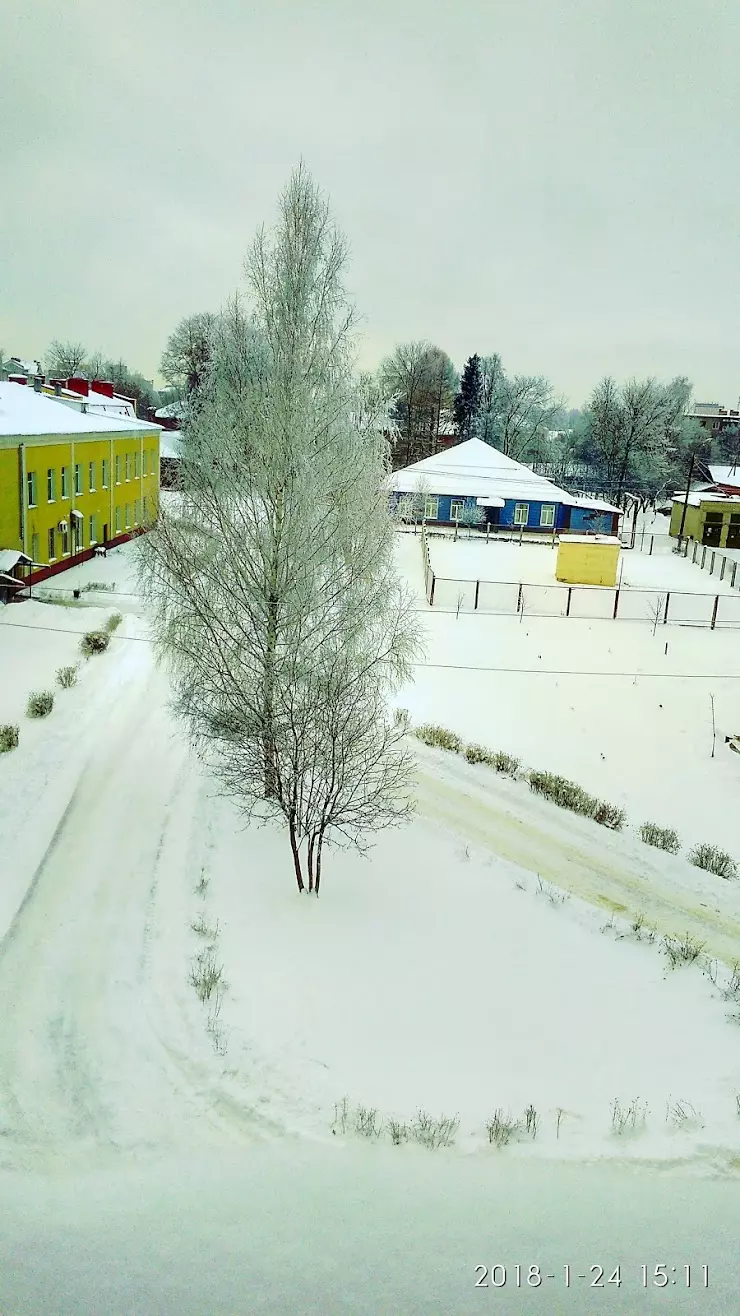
118,520
136,511
128,515
79,534
31,488
35,548
52,546
521,514
144,456
431,509
93,531
457,507
118,469
78,478
91,476
65,482
104,473
65,542
136,465
128,465
547,515
51,485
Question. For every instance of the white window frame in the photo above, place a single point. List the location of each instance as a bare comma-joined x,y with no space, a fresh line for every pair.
549,520
51,543
457,505
431,501
35,547
518,519
65,482
127,466
136,466
31,489
104,473
51,485
118,468
93,530
127,521
144,463
118,521
91,476
65,542
136,511
78,478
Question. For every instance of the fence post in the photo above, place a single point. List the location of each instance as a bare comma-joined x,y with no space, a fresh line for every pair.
519,600
652,541
696,549
616,604
488,530
722,570
703,556
477,587
431,592
686,550
714,611
711,564
567,606
732,577
667,601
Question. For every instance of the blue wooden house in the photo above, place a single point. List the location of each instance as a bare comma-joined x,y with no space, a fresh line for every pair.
474,478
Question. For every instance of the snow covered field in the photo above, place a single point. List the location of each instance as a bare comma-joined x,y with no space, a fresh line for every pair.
471,964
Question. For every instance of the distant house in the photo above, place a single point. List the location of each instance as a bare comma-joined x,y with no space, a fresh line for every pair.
473,475
710,517
714,418
169,458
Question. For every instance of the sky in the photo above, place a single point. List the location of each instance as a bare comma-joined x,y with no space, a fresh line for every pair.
551,180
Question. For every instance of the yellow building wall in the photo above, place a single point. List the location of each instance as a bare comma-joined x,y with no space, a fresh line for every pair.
696,518
587,564
39,455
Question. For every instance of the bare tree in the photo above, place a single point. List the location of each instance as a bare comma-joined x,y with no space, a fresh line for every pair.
635,428
420,377
187,354
65,358
273,587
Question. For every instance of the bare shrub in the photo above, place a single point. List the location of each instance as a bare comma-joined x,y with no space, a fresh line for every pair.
505,763
501,1128
609,815
113,622
40,703
107,587
201,928
367,1123
67,677
434,1131
551,893
440,737
206,974
398,1131
9,737
531,1121
682,950
713,860
683,1115
663,838
341,1115
94,642
401,718
630,1118
477,754
201,885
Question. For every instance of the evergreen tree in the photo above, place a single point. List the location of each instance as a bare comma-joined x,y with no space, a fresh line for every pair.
467,401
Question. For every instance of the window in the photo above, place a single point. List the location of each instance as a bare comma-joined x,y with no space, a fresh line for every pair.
104,473
431,508
118,470
547,515
93,531
52,545
31,488
118,520
65,541
51,485
136,511
144,457
35,548
406,506
136,465
128,515
521,514
128,465
456,509
91,476
145,508
65,482
79,534
78,478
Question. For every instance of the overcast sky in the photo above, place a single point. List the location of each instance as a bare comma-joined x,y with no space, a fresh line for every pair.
555,180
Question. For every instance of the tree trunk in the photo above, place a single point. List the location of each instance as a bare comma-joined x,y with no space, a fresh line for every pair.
310,861
268,734
296,855
318,862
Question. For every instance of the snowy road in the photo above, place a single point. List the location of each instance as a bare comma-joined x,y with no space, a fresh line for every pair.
622,878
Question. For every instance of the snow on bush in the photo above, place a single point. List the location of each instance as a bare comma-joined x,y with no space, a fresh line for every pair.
113,622
439,737
714,860
568,795
608,815
497,759
67,677
433,1131
664,838
40,703
94,642
681,950
9,736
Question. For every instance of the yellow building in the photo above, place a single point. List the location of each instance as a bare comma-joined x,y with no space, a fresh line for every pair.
69,481
588,560
711,518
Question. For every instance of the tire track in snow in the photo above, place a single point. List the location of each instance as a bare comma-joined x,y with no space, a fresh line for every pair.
516,829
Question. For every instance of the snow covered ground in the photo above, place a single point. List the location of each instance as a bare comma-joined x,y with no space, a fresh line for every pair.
474,962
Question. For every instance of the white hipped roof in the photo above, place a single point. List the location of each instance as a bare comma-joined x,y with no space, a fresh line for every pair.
23,411
725,475
475,469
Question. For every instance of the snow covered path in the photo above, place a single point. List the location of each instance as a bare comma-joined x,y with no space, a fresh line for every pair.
622,877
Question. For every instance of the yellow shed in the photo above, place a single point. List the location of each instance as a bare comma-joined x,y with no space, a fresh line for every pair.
588,560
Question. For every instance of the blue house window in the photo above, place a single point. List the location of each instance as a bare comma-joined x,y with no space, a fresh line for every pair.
547,515
457,506
521,514
431,509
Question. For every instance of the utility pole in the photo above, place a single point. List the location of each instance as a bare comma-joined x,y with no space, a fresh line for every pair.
686,499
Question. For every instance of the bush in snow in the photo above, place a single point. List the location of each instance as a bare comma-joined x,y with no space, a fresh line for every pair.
506,763
629,1118
433,1131
501,1128
681,950
113,622
439,737
564,793
477,754
398,1131
67,677
714,860
341,1115
9,736
664,838
40,703
106,586
610,816
367,1123
206,975
94,642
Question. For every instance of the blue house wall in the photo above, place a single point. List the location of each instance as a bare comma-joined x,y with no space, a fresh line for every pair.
582,520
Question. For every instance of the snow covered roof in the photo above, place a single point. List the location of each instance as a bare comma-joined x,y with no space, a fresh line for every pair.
474,468
590,539
725,474
24,411
173,411
170,443
10,557
699,496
